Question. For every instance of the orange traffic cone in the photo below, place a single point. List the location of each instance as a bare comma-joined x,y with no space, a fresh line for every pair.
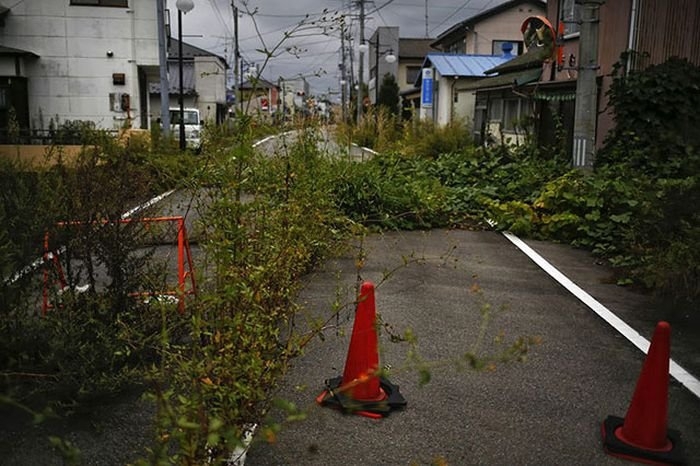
643,435
360,390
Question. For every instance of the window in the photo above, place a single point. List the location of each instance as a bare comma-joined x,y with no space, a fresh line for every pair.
570,15
4,98
117,3
511,114
497,47
412,73
191,117
496,110
459,46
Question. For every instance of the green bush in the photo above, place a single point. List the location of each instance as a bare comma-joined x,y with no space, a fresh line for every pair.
656,120
266,222
424,138
390,192
94,342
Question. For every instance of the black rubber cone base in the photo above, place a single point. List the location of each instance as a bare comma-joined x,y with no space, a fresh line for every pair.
334,397
616,447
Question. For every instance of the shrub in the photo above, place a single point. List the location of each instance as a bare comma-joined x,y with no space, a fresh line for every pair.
426,139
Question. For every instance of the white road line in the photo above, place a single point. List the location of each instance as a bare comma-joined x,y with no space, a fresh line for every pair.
148,204
40,261
680,374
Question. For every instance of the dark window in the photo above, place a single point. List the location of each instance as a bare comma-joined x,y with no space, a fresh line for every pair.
511,114
117,3
4,98
412,73
497,47
457,47
496,110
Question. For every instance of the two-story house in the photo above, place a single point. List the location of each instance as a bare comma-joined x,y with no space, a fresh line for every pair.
470,48
654,29
487,32
87,60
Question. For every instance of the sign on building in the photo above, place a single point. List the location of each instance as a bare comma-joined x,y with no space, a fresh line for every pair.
426,99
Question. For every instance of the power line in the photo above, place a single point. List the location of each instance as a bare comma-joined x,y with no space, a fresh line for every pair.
220,17
450,16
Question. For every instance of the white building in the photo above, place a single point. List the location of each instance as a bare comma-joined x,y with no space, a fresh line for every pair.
88,60
451,76
203,82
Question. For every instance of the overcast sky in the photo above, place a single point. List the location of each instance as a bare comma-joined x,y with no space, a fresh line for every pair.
311,53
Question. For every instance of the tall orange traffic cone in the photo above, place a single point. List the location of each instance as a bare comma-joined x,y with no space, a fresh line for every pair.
360,390
643,435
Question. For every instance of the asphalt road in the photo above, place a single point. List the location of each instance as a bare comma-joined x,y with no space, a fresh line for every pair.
546,410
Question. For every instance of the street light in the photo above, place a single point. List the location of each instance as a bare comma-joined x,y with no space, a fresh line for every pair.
389,57
343,96
363,47
183,6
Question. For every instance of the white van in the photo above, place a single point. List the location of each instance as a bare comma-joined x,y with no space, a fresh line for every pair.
193,126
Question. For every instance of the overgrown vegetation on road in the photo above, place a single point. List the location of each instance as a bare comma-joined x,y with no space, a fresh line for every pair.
637,209
268,220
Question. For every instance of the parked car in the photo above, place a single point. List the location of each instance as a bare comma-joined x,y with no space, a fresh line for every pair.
193,126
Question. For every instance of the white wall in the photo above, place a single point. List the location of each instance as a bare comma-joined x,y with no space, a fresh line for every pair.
210,83
72,78
504,26
448,110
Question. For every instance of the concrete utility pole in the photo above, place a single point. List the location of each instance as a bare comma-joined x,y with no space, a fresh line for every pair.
586,110
163,61
343,75
426,19
236,54
361,72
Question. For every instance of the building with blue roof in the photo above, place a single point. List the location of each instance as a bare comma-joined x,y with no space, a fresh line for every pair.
452,77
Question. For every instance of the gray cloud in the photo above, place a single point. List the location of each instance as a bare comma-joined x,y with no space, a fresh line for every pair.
312,51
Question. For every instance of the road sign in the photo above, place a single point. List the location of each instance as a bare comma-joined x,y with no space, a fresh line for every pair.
426,100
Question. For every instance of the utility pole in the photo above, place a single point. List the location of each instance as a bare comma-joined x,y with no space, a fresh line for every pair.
426,19
586,110
236,55
360,79
376,70
163,60
343,75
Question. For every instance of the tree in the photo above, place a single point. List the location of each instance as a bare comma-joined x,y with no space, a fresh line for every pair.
389,94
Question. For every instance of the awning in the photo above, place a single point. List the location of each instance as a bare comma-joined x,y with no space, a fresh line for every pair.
9,51
512,79
554,96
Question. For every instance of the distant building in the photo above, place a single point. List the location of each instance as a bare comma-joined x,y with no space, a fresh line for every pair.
452,99
293,95
479,37
203,82
412,53
259,97
382,44
485,33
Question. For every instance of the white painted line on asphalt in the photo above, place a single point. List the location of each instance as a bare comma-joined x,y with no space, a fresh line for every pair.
680,374
273,136
40,261
148,204
238,456
263,141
